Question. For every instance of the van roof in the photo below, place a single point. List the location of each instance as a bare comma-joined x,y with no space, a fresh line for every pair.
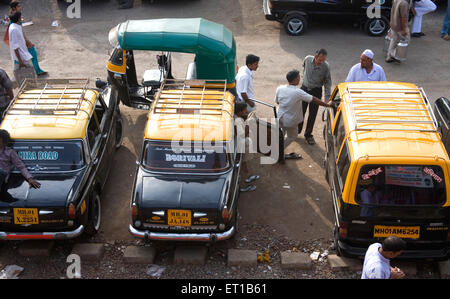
50,109
195,110
390,119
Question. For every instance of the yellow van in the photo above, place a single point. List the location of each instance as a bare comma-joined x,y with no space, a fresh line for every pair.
387,169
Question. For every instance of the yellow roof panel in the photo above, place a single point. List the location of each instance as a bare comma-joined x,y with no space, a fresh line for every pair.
389,119
26,120
191,114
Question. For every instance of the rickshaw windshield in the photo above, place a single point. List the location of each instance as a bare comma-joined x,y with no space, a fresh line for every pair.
401,185
162,156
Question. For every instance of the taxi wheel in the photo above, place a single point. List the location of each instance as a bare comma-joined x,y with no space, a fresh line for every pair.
94,215
119,132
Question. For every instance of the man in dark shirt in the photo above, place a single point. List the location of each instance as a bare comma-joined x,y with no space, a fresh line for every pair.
9,160
6,92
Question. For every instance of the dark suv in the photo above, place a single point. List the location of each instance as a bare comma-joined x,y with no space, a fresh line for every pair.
295,14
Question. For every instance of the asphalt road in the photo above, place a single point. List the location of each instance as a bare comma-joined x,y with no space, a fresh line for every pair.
79,48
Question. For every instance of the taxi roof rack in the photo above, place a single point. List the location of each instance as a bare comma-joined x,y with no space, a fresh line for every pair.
381,99
191,99
44,97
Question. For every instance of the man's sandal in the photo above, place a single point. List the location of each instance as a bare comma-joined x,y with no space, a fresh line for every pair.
251,178
248,188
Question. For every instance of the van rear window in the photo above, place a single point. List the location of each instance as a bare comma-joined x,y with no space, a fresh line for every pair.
400,185
160,156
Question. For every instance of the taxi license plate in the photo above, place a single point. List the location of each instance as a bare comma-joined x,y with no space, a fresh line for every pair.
179,218
26,216
410,232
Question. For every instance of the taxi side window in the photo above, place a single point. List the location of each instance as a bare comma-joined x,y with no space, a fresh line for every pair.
100,112
336,102
343,164
339,132
93,132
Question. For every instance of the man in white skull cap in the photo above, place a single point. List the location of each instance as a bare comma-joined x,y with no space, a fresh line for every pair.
366,70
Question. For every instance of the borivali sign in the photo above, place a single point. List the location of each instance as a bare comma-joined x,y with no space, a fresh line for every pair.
74,10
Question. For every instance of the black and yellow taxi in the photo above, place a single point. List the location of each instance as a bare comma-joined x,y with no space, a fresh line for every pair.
66,134
186,185
387,169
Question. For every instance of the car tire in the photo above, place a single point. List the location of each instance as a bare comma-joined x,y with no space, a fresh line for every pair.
376,26
295,24
94,215
119,132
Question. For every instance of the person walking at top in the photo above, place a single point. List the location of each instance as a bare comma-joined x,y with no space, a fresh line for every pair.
316,74
445,32
419,9
366,70
289,98
16,6
6,92
399,27
377,261
17,46
9,160
244,81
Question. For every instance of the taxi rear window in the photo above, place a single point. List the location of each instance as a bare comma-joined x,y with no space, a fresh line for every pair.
50,155
161,156
401,185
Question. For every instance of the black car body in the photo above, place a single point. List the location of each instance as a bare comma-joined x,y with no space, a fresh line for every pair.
188,195
68,150
296,14
191,193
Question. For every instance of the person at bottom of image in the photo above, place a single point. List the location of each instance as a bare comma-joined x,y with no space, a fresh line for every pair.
377,261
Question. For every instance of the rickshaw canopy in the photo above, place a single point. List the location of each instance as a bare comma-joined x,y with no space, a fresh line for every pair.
212,43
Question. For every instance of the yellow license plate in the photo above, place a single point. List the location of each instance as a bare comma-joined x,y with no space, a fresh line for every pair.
26,216
410,232
179,218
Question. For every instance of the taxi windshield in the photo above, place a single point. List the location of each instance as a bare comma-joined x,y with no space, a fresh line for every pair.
50,155
162,156
400,185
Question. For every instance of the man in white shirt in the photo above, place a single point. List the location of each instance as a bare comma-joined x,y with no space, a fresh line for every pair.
377,263
17,44
289,98
366,70
19,52
244,81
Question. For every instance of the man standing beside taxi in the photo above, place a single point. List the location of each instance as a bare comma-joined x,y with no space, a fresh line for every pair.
316,73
